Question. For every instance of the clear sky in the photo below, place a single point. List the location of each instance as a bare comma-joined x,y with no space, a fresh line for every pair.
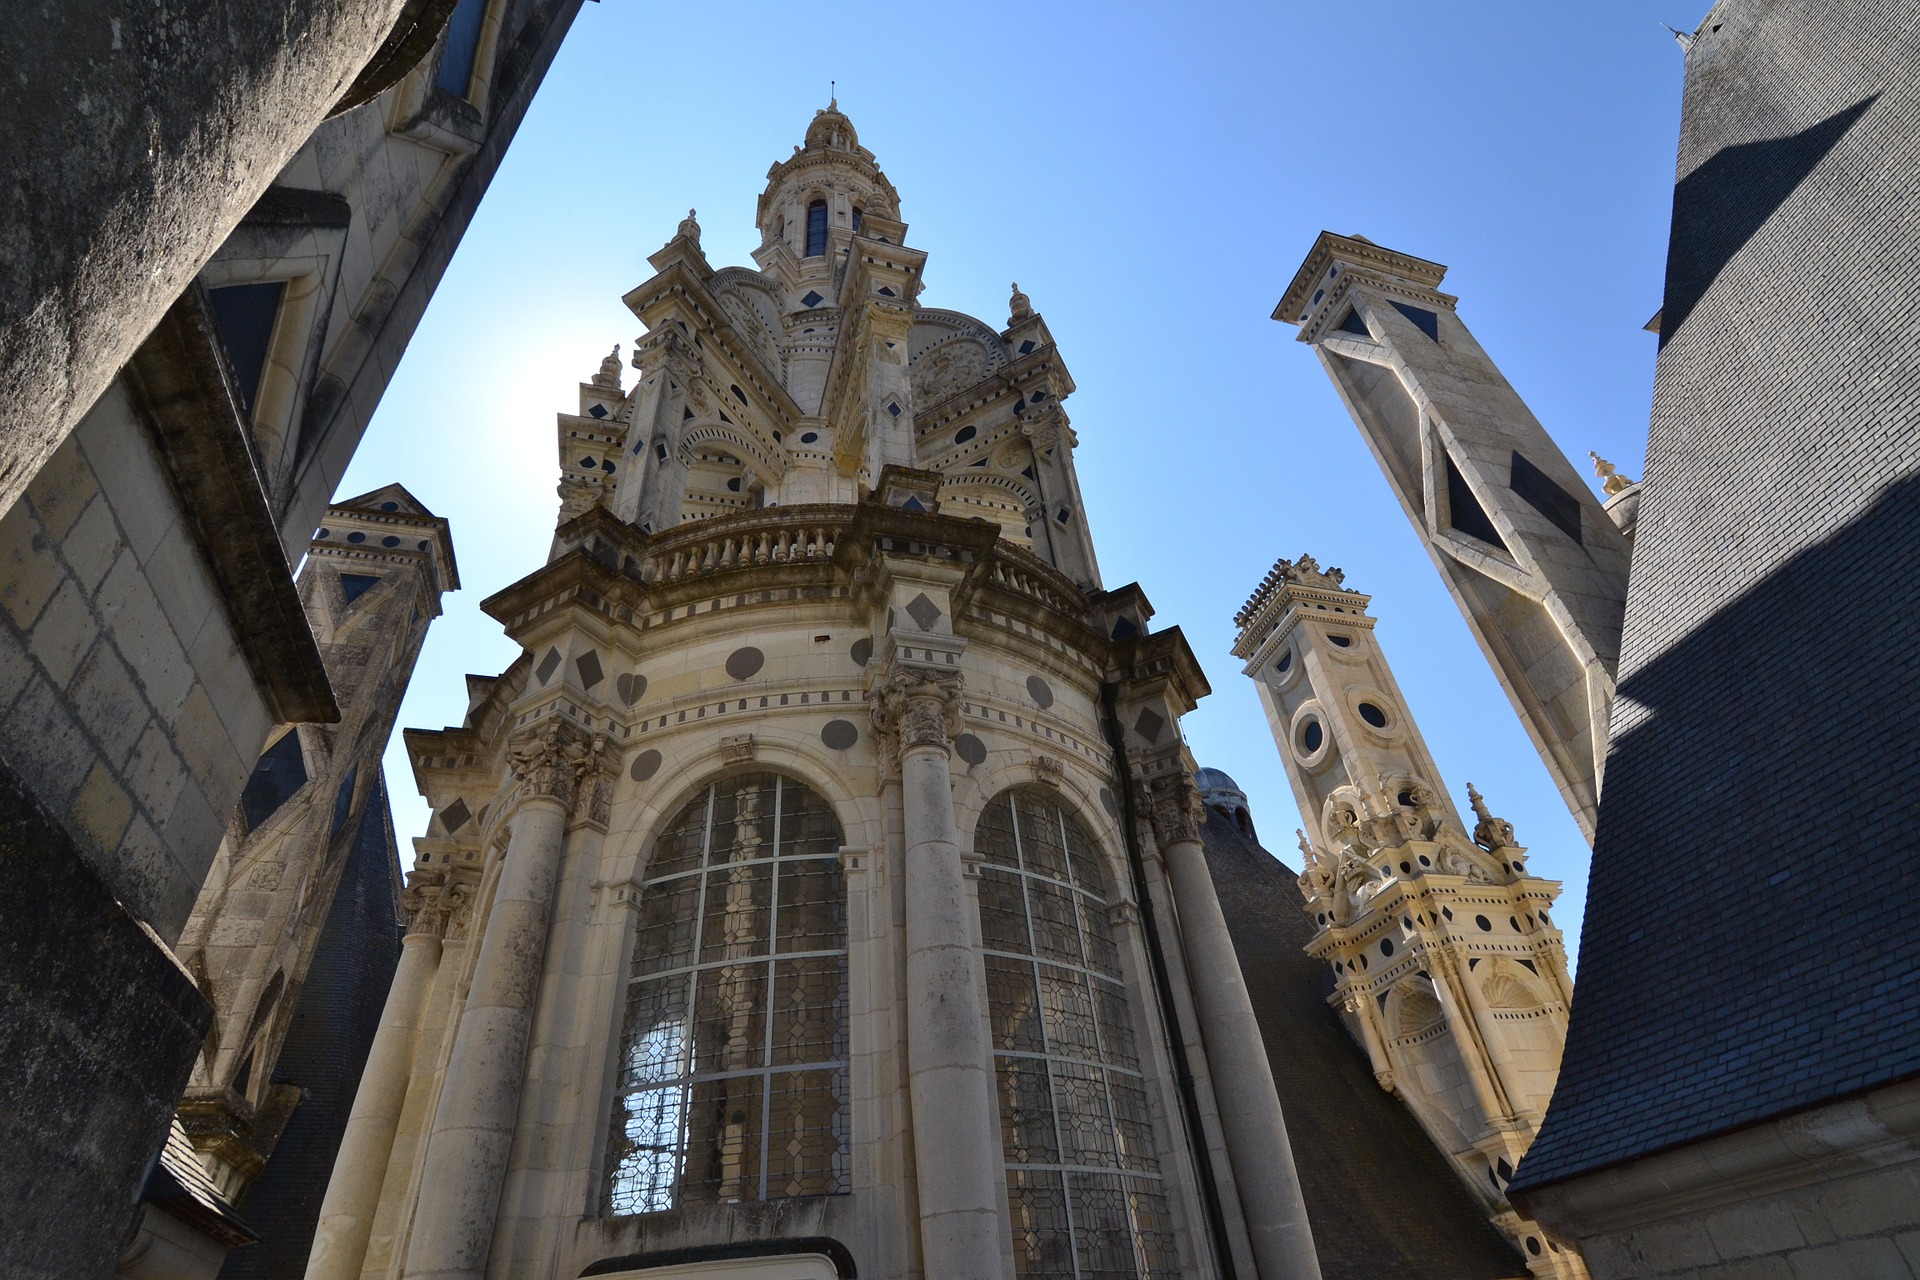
1152,175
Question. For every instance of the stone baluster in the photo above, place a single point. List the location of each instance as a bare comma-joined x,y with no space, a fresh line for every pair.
466,1158
1256,1131
951,1090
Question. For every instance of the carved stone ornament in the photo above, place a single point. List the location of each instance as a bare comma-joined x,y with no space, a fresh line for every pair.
436,904
1490,833
593,798
1048,770
914,708
550,762
1175,808
736,748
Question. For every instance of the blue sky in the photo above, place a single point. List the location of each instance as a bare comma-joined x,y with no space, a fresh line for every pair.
1152,175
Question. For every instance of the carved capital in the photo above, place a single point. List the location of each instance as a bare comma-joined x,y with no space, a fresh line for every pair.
550,761
436,903
915,708
1175,808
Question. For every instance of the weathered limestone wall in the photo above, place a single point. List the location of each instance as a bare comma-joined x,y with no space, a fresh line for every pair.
136,136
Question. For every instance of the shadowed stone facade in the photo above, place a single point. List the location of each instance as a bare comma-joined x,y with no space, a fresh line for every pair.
210,293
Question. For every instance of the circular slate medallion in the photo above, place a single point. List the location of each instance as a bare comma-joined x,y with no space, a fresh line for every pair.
971,749
1040,691
742,663
862,651
645,765
631,688
1108,803
839,734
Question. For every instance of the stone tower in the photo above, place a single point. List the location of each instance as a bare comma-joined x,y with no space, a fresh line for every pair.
821,892
1535,563
371,584
1447,967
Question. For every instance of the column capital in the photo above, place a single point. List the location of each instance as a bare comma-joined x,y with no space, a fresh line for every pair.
550,759
913,707
1174,807
437,904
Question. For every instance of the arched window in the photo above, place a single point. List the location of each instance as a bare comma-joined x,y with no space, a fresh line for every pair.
816,228
733,1060
1083,1184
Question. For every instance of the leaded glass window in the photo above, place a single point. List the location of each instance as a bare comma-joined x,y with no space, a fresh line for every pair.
816,228
733,1058
1083,1185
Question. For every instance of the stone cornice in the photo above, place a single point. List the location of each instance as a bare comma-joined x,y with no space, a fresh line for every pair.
1355,253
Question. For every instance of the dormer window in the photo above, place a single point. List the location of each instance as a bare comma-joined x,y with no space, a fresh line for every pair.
816,228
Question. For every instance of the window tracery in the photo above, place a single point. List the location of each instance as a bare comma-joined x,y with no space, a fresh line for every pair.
733,1062
1083,1183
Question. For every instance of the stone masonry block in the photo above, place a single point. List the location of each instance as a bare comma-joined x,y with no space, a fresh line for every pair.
143,637
203,742
1856,1259
181,582
63,633
109,704
1885,1200
62,490
143,505
157,773
47,745
1745,1230
1672,1245
29,571
103,809
92,545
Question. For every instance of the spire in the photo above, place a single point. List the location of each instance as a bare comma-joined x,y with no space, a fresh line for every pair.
1612,481
1490,833
609,375
1020,307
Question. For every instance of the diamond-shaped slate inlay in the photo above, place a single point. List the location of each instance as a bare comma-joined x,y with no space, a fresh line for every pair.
645,765
893,408
924,612
813,299
971,749
548,665
588,665
1150,724
1026,348
742,663
1424,320
455,816
598,411
839,734
631,688
1040,691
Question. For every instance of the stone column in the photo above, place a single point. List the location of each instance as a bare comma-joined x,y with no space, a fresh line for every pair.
1256,1131
1466,1036
955,1106
353,1191
472,1133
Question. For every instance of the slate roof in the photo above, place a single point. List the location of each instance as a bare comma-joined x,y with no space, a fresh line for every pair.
1750,947
1382,1199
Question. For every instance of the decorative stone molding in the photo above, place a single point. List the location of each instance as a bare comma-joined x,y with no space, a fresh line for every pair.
1047,769
593,798
550,762
915,708
737,748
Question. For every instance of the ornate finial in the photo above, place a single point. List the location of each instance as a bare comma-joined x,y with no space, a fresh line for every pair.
1306,845
689,229
1020,305
1489,832
1612,481
609,375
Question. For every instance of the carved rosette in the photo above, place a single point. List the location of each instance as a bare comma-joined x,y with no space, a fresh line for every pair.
550,762
1175,808
915,708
